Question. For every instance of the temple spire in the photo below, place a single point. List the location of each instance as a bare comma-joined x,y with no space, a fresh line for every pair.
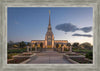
49,12
49,20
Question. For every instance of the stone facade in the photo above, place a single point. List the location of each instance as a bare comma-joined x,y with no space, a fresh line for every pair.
49,41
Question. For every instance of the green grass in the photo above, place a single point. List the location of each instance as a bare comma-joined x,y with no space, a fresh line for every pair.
11,54
82,50
19,50
88,53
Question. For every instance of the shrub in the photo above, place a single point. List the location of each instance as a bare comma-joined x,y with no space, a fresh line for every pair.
11,54
81,50
66,49
89,55
57,45
17,50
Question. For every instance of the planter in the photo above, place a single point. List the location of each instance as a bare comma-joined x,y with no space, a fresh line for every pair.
70,60
20,58
77,58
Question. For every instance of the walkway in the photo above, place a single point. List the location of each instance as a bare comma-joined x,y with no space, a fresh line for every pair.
49,57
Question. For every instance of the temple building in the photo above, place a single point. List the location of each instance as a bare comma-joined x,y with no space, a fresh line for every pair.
49,41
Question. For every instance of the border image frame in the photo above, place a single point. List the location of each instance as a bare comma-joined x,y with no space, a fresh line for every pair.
4,4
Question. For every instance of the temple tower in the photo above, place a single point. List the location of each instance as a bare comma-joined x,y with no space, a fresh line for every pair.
49,37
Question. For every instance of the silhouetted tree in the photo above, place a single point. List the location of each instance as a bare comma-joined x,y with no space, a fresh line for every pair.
68,44
57,45
28,44
10,44
22,44
86,45
41,45
76,45
61,45
35,44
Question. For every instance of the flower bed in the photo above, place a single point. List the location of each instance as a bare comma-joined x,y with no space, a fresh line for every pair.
76,58
81,60
19,58
17,61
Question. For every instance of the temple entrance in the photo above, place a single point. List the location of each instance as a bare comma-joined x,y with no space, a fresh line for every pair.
49,49
49,46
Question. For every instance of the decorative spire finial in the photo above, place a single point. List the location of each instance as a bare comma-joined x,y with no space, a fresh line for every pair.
49,26
49,12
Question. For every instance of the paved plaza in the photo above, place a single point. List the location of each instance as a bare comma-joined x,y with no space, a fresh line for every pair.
49,57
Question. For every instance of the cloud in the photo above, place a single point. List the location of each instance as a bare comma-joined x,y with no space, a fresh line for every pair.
67,27
86,29
84,35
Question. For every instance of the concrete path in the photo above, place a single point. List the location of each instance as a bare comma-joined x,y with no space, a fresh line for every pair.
49,57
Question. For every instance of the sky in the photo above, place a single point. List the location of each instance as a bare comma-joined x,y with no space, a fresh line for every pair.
68,23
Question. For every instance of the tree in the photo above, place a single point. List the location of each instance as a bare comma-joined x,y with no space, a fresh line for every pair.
68,44
41,45
57,45
76,45
61,45
22,44
28,44
35,44
10,44
86,45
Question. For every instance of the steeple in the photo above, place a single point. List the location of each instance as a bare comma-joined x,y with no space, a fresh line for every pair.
49,38
49,26
49,18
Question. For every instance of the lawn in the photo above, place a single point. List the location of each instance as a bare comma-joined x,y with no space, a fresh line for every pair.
82,50
19,50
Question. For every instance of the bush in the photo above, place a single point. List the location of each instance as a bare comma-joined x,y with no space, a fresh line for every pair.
89,55
20,50
33,48
66,49
82,50
11,54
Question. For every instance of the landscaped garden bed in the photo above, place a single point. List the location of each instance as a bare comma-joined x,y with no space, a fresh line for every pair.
19,58
18,50
81,50
10,55
76,58
17,61
81,60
